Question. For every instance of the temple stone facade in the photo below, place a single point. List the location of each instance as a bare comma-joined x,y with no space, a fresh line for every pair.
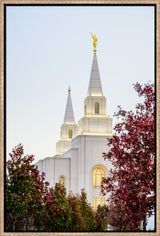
78,163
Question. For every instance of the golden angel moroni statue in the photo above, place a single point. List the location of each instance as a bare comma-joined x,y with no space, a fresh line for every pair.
94,42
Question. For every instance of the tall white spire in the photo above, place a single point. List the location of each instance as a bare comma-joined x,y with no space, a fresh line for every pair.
69,116
95,121
95,87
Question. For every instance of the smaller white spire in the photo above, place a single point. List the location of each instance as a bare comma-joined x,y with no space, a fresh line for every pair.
69,115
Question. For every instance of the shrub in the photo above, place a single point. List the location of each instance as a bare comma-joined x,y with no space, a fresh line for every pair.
102,218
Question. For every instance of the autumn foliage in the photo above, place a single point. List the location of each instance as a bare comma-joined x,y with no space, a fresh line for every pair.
31,205
102,214
82,215
131,182
25,188
56,210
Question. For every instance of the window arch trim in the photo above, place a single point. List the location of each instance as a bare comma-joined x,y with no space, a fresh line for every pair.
98,174
103,168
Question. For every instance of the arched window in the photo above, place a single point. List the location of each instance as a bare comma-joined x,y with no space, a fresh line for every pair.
85,109
98,174
97,107
70,133
62,180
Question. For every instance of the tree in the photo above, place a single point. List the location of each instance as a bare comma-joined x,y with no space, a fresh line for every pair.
102,218
87,213
78,221
63,213
57,214
131,182
25,188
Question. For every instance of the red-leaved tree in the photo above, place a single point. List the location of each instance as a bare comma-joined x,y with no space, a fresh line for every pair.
25,189
131,182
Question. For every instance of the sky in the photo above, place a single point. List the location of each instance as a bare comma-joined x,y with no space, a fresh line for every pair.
50,48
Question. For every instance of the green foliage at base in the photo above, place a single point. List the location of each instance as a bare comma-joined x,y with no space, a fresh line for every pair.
102,218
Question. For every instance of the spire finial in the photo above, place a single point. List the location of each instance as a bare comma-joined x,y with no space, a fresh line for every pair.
69,90
94,42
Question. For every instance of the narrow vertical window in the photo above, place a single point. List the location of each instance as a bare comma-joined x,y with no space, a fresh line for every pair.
70,133
85,109
97,107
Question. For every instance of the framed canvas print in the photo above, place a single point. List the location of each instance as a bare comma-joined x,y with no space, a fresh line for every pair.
79,121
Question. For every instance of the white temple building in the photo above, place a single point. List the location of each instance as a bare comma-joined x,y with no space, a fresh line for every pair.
78,163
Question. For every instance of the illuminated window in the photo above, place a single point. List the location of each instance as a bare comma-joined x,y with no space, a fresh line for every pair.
61,180
98,201
98,174
97,107
85,108
70,133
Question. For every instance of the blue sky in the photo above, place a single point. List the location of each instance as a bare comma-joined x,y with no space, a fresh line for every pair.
50,48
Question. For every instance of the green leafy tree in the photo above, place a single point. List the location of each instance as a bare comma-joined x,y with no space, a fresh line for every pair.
57,214
102,218
78,222
87,213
